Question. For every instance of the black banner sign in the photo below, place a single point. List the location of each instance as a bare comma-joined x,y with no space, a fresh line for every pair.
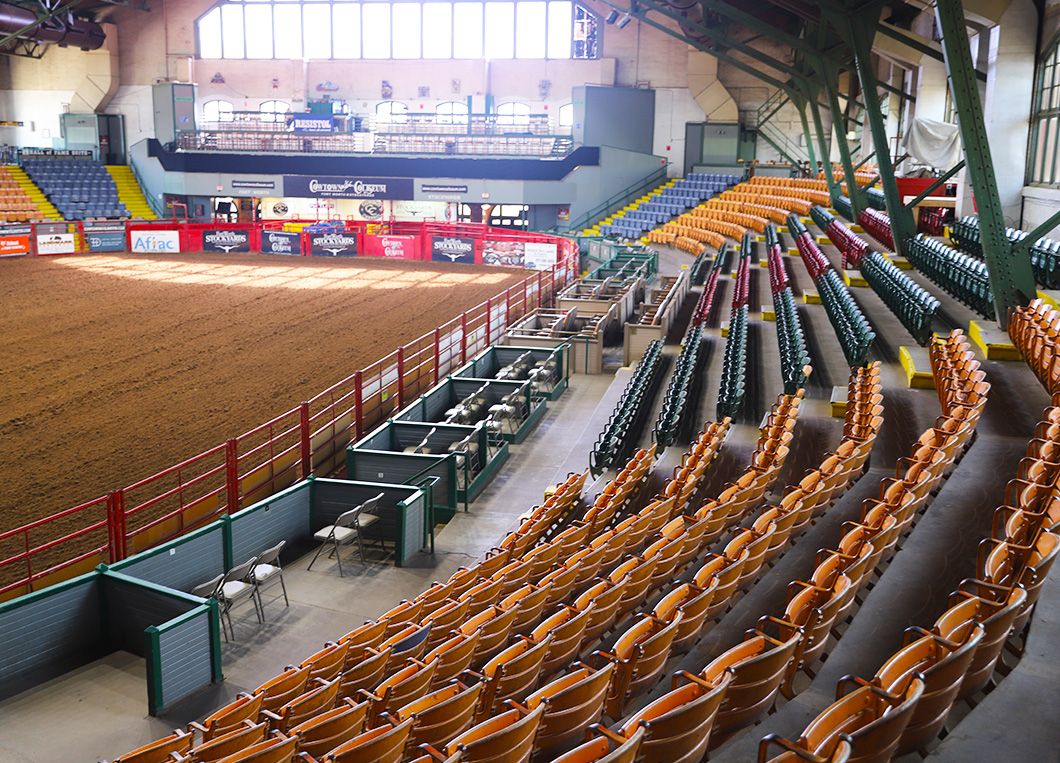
224,240
278,242
452,249
333,244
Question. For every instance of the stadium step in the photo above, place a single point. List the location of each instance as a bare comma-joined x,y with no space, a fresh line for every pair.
130,194
45,210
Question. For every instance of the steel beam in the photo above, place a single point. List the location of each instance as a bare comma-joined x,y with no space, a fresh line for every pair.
808,137
1023,248
1011,277
859,31
857,198
898,34
935,184
826,160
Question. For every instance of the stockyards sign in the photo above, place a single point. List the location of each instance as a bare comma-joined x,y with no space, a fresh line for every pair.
226,240
340,187
333,244
452,249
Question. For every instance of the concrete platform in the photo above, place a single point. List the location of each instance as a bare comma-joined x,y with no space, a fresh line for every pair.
838,402
917,367
824,241
1049,297
854,278
811,298
793,252
992,341
768,313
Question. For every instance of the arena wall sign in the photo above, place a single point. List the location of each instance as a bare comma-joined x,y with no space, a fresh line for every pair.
344,187
226,240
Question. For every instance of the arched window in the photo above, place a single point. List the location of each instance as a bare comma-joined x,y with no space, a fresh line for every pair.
513,113
391,113
217,111
566,115
452,113
274,111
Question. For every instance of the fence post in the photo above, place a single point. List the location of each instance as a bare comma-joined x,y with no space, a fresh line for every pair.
489,321
304,441
437,353
552,288
540,286
116,523
508,307
463,338
526,307
401,376
232,475
358,402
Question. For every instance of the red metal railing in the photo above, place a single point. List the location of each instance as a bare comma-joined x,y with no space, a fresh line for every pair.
308,438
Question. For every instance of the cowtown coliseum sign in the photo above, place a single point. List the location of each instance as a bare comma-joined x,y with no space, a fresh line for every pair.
341,187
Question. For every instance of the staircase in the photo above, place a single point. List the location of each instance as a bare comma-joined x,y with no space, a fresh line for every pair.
45,209
130,194
773,135
594,230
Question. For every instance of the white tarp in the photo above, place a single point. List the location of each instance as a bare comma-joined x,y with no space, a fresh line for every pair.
936,144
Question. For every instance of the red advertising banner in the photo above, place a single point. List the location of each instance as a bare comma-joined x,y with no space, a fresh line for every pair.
392,247
14,246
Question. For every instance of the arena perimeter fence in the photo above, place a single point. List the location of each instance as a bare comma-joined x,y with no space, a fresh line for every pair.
307,439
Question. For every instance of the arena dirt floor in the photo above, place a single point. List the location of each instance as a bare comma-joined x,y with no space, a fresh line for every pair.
116,367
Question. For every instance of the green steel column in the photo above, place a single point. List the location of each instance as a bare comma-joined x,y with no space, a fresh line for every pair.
1011,277
808,136
826,163
860,33
855,194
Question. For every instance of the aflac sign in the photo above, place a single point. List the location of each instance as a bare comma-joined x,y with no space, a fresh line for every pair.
155,241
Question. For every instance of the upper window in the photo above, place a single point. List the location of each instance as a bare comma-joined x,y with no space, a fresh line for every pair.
513,113
566,115
1043,156
217,111
431,29
273,111
451,113
391,112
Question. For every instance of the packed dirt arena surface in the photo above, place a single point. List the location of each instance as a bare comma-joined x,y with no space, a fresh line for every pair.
116,367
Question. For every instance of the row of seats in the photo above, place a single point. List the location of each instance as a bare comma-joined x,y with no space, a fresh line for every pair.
904,706
875,198
741,219
705,303
742,277
619,431
962,276
794,358
776,214
913,305
778,198
79,188
733,383
683,383
666,202
804,183
784,187
1034,329
1045,253
851,246
878,225
852,329
861,177
739,686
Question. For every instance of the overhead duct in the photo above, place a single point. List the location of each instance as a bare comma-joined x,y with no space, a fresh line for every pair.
25,24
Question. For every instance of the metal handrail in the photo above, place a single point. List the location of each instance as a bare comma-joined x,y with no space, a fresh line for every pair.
619,200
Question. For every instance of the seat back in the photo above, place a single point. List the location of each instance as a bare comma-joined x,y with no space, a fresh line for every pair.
383,744
228,718
161,749
572,703
505,738
277,749
678,724
513,673
363,673
602,749
326,731
453,657
441,715
567,626
278,691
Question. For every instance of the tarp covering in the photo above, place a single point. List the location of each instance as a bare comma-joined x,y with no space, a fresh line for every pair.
936,144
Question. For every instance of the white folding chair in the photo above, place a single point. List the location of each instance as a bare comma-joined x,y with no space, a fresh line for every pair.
347,529
268,570
236,587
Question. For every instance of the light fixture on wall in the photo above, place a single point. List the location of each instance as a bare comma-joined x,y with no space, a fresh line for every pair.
624,21
612,17
217,79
